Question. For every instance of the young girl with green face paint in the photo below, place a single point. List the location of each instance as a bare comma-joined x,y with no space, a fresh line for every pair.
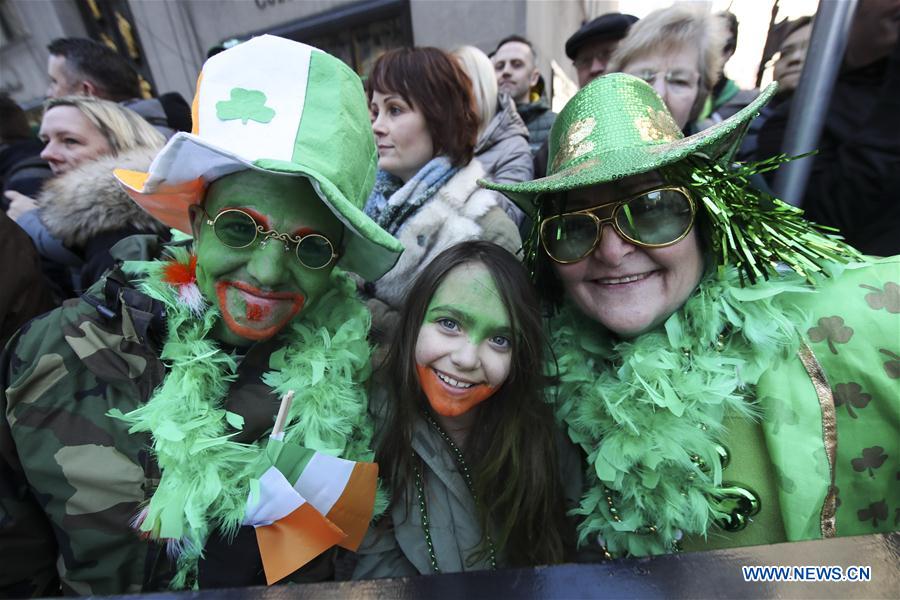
463,351
464,438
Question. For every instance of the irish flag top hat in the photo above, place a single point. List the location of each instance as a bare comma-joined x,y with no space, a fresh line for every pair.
284,108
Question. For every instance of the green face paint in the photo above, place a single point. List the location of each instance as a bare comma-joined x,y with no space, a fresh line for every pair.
469,293
260,288
464,348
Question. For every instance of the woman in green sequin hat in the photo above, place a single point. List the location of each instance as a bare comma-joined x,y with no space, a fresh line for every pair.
712,345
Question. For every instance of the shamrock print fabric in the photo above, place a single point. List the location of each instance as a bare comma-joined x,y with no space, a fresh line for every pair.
850,396
865,378
866,390
854,333
831,330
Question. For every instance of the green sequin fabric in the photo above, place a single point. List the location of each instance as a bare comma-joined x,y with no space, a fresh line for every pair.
617,126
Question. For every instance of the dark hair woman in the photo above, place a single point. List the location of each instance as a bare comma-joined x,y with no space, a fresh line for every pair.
425,125
464,438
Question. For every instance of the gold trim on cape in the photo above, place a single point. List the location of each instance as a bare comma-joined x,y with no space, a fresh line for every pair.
829,432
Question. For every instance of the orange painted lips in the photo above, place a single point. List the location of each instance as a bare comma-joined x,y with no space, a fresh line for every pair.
265,313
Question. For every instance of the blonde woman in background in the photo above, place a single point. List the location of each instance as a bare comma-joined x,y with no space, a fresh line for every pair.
678,51
82,212
502,146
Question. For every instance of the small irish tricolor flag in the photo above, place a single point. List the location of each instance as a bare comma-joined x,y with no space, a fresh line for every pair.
304,502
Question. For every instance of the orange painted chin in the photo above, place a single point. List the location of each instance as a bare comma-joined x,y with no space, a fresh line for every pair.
257,315
446,400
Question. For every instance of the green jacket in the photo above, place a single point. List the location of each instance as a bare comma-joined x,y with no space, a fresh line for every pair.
822,452
833,413
825,454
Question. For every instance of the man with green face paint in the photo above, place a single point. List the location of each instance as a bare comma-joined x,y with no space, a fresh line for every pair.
260,289
140,417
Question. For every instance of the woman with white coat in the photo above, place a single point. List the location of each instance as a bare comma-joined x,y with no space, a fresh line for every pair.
426,192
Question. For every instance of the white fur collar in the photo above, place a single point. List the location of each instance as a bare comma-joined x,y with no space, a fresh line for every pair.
88,200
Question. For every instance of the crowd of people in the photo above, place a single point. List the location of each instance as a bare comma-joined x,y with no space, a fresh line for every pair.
419,323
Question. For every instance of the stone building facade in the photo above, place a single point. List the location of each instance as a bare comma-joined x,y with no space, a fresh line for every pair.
168,40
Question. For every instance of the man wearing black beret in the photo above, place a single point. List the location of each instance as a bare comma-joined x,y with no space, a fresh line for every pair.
591,46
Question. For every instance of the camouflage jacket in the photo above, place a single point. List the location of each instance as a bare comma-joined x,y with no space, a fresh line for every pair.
72,478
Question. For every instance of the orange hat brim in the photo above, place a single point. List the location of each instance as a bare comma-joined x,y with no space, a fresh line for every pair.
169,203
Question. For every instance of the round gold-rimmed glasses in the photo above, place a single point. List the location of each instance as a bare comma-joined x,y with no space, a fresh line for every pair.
651,219
238,229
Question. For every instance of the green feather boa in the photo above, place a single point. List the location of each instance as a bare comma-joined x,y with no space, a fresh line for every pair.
206,477
641,408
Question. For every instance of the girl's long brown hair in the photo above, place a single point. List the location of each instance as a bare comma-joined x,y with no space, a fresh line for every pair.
511,448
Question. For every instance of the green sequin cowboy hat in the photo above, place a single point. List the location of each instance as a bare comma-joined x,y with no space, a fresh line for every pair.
280,107
618,126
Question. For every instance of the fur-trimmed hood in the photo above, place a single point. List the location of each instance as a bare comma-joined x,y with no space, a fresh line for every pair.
88,200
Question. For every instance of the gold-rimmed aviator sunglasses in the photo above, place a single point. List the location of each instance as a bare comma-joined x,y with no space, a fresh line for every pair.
653,218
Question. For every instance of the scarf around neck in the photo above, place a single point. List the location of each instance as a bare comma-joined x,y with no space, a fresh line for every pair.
392,202
647,410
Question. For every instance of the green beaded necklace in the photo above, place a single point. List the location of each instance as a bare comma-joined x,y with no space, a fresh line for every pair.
423,508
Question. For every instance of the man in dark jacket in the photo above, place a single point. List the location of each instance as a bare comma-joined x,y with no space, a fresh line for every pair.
854,184
591,47
83,67
17,141
766,132
23,292
515,62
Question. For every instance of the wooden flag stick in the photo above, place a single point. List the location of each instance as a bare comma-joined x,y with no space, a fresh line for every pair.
283,411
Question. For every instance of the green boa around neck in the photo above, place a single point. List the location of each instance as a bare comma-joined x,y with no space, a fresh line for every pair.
642,408
206,476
